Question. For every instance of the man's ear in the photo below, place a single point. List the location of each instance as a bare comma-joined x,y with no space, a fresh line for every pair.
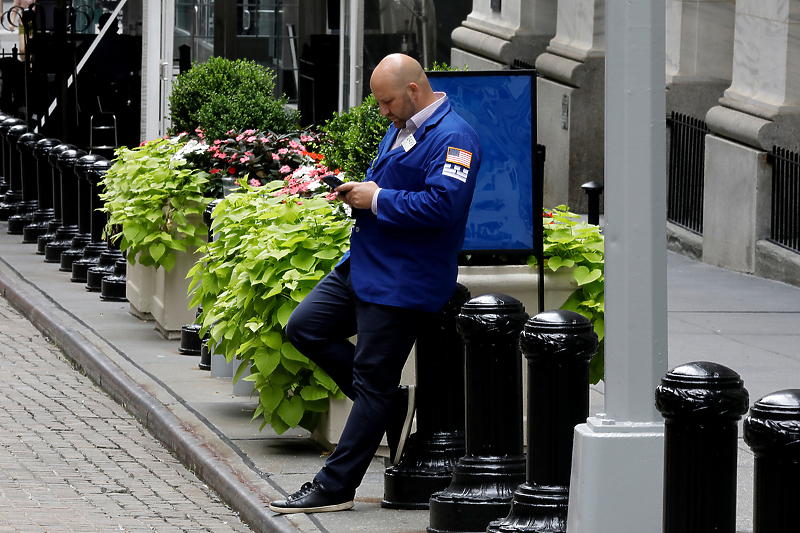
413,90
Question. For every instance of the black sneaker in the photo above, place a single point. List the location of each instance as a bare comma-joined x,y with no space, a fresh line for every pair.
311,498
400,422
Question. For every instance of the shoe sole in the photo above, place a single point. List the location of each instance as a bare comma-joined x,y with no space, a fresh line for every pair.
406,424
324,509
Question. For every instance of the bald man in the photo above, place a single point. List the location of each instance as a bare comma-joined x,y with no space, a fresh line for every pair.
411,216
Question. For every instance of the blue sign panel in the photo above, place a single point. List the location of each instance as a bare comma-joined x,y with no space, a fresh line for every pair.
499,105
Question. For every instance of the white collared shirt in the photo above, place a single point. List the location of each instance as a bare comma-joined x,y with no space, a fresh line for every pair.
412,125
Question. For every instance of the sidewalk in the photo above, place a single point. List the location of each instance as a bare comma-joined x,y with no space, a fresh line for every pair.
746,323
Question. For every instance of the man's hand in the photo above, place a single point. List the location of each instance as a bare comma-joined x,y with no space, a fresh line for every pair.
356,194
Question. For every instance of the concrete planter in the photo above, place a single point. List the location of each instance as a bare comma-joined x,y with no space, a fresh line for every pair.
518,281
139,286
170,301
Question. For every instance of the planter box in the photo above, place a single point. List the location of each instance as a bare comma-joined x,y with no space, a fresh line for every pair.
170,302
139,286
519,281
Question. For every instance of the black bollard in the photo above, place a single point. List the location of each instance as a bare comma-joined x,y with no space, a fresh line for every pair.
11,133
114,285
96,221
109,256
484,479
558,346
55,223
27,172
191,344
772,430
433,450
83,239
205,351
44,192
65,162
11,196
3,182
701,403
593,190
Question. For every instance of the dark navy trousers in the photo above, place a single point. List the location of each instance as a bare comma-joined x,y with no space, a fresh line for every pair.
367,372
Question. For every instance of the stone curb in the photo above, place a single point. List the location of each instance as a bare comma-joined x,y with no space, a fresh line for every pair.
195,454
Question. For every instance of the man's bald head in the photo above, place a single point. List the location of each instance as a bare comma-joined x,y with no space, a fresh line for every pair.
401,88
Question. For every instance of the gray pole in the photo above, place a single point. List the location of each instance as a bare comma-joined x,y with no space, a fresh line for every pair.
617,482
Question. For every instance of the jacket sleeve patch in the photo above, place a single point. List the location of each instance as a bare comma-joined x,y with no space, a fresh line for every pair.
458,156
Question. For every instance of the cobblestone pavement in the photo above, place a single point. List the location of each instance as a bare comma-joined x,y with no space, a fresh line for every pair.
72,459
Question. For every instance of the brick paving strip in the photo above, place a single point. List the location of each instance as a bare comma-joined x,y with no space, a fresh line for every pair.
247,495
72,459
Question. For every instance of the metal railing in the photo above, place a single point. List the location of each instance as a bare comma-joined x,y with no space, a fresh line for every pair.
785,220
685,172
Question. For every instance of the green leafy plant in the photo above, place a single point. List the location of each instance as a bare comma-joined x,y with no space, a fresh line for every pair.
269,251
570,243
445,67
222,95
155,200
352,138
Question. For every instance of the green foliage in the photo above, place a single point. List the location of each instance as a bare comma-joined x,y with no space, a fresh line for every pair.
353,137
221,95
155,201
269,251
444,67
569,243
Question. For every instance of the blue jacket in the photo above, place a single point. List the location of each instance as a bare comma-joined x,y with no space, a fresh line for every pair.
406,256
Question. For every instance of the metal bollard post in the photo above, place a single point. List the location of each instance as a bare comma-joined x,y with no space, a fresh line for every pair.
111,254
772,430
3,182
113,286
10,169
484,479
44,192
65,163
83,239
438,443
205,350
701,403
13,197
593,190
558,346
96,246
55,175
27,172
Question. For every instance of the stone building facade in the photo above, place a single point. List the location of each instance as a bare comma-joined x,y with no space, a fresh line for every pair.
732,64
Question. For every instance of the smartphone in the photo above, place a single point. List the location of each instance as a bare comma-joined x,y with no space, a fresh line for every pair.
332,181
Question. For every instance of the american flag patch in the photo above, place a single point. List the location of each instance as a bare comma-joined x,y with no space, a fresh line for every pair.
458,156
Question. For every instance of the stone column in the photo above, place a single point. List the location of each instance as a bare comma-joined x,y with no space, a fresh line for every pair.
497,32
699,54
570,106
759,110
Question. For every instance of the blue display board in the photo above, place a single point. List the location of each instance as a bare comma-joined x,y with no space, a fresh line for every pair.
500,106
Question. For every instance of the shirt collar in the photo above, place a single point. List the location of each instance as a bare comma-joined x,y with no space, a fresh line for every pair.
415,122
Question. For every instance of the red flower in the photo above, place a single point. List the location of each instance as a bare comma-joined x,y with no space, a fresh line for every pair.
214,170
231,170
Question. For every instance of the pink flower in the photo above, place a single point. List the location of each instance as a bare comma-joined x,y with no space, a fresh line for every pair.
285,169
239,137
255,183
251,139
306,138
218,141
283,151
249,132
244,159
275,157
293,144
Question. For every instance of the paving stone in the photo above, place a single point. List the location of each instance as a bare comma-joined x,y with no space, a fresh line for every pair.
73,460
